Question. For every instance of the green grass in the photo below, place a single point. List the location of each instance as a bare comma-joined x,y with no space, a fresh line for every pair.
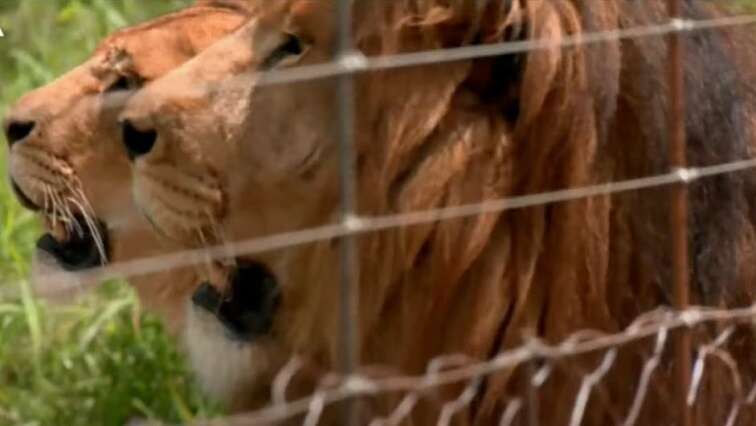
744,5
90,364
99,362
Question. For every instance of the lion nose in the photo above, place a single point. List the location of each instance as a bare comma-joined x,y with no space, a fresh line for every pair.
138,142
18,130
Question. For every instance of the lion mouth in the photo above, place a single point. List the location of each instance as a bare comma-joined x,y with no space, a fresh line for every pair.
83,246
248,311
83,249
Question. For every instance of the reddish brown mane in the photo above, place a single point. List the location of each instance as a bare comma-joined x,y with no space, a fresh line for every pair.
539,121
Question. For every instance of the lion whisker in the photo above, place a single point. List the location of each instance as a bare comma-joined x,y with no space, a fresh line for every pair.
220,238
228,261
201,267
77,190
207,264
45,199
52,204
63,212
90,213
47,203
66,211
93,229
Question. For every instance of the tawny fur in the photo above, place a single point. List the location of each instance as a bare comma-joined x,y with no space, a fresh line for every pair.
463,132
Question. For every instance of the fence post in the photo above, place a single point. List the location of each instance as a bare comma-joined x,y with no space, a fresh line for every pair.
679,210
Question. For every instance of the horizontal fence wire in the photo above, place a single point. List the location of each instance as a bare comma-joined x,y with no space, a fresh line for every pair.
63,282
356,62
658,323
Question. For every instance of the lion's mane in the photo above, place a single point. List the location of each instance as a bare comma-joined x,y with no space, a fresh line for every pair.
547,119
465,131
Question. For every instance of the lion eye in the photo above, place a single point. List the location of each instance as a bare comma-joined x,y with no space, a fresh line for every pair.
292,46
122,83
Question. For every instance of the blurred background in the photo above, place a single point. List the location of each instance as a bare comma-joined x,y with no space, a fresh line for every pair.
102,361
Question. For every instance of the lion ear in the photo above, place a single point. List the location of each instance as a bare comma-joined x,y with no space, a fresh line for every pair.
246,6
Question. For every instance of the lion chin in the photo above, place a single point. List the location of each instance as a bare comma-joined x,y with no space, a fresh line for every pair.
228,335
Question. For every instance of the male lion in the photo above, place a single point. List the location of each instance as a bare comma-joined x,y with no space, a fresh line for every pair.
67,163
221,153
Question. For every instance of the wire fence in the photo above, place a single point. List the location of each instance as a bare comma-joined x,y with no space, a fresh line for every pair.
657,324
350,382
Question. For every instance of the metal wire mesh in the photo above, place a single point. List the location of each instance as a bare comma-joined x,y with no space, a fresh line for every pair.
657,325
454,369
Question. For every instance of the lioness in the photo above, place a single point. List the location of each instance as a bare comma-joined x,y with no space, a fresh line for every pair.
64,159
67,163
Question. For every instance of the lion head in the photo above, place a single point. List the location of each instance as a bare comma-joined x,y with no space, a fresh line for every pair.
67,163
65,158
222,152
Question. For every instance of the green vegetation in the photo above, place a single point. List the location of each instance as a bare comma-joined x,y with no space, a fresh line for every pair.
91,364
743,5
100,362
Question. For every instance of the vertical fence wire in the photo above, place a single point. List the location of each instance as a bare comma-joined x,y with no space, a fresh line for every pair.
349,271
679,209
